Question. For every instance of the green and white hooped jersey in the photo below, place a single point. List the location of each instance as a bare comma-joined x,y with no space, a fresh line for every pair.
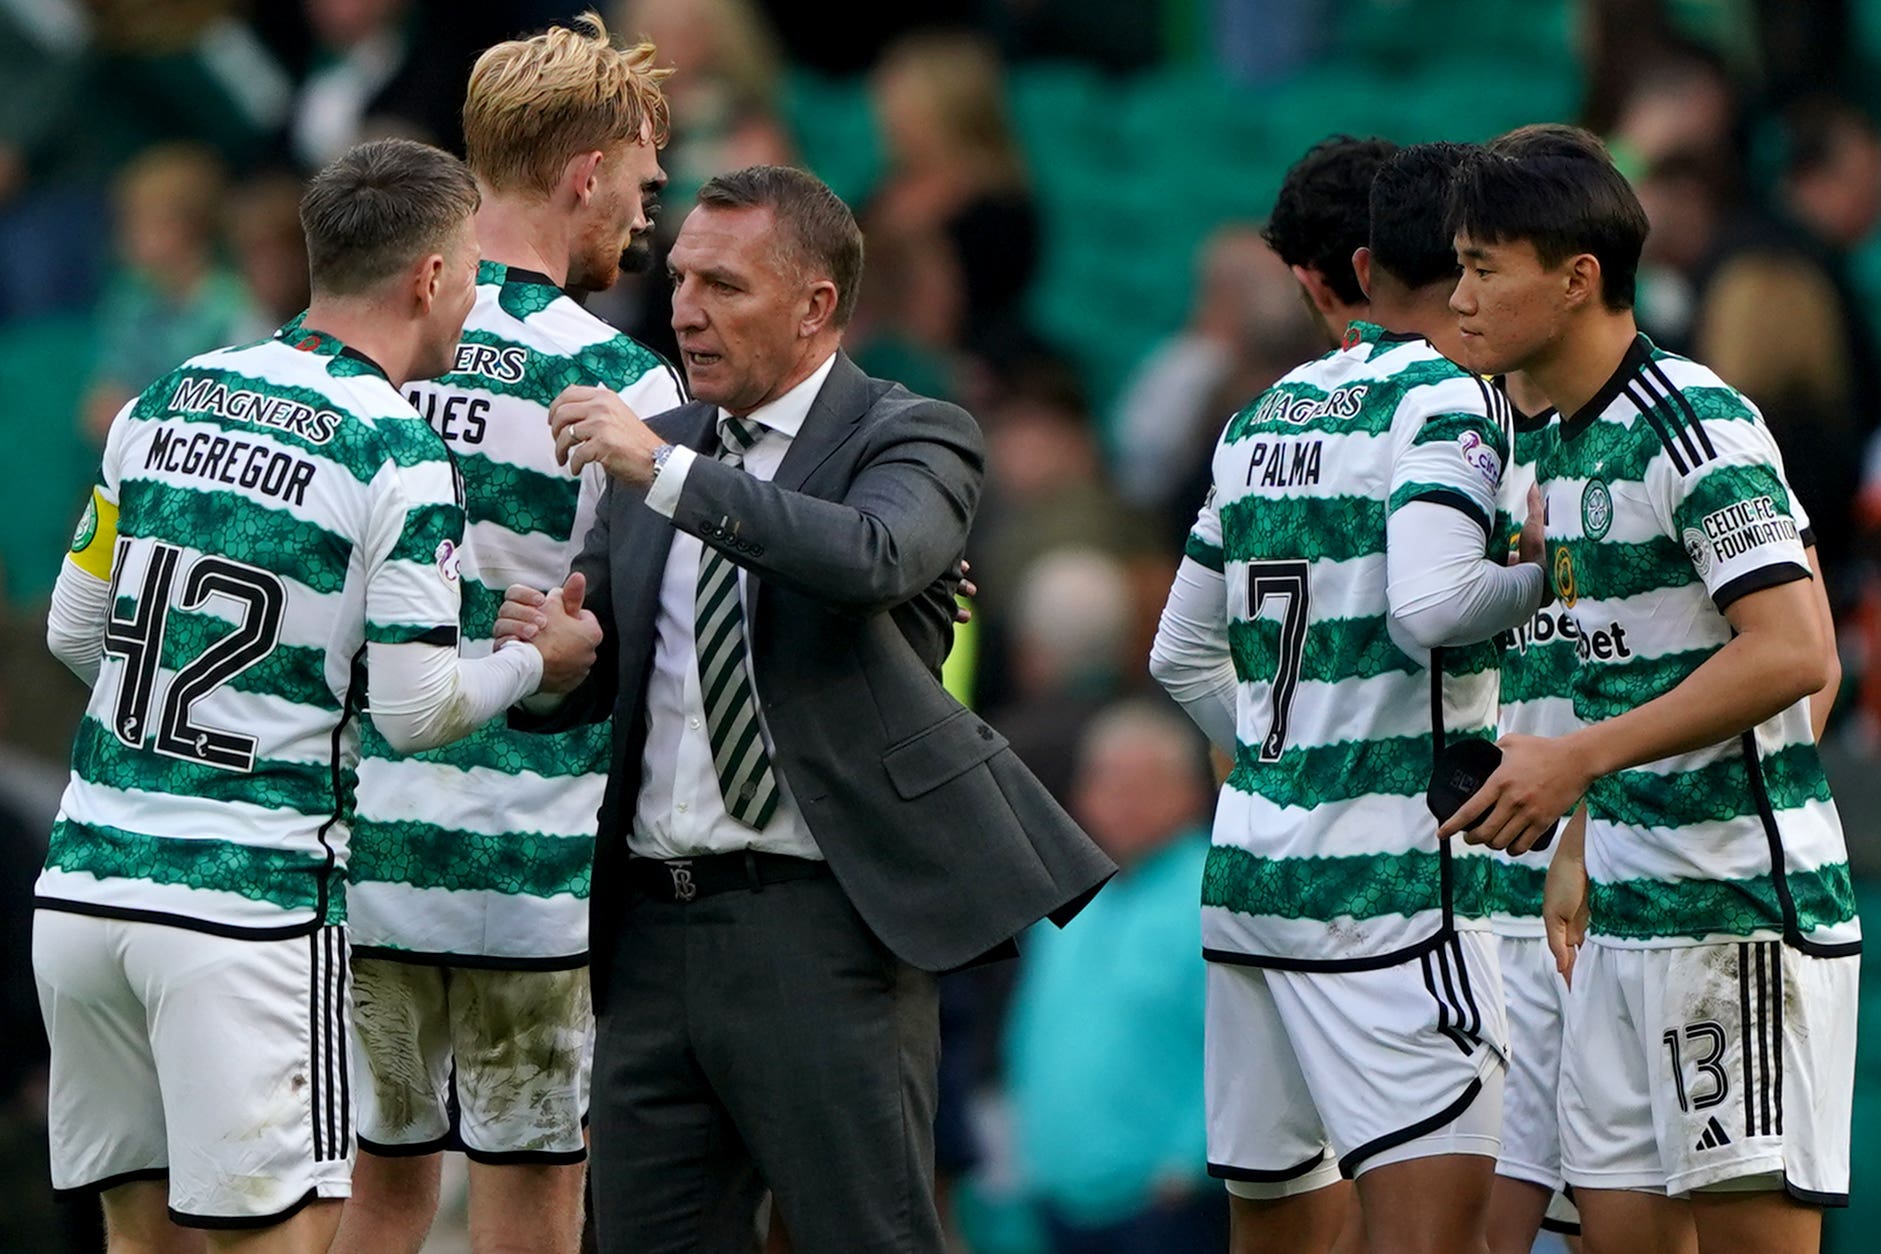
1537,675
278,506
482,849
1325,855
1667,502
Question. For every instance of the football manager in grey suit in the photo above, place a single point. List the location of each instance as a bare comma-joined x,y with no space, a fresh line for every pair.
801,826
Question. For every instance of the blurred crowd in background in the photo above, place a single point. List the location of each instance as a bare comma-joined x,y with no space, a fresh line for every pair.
1062,202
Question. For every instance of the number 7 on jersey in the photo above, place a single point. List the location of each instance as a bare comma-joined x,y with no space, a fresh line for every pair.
1281,581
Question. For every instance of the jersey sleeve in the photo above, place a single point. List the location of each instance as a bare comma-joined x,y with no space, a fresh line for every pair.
414,534
1730,508
94,543
1204,543
1455,451
655,391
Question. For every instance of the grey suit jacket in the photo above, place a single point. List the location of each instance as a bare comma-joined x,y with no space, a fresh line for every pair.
943,841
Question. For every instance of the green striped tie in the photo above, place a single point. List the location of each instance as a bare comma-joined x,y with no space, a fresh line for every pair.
745,778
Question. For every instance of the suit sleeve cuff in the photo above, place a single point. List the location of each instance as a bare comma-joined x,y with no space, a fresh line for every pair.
663,496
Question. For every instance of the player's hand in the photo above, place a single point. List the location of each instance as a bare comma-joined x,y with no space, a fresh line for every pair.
963,613
1539,780
1564,904
568,638
521,615
1532,544
596,425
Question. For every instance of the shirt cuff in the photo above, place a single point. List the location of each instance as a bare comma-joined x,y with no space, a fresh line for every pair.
663,495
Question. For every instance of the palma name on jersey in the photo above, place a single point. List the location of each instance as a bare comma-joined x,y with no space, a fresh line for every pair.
1284,462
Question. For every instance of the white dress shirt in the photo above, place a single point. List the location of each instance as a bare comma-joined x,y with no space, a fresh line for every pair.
680,812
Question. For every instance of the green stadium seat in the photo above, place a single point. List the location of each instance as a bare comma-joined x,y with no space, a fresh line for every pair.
43,369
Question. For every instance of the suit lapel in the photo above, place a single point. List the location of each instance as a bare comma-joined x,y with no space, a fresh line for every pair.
839,405
645,539
841,402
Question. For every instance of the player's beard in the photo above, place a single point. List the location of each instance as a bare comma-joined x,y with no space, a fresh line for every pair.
637,257
601,267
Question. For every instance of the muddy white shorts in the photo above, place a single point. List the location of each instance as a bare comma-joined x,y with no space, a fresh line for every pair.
1313,1075
1696,1066
219,1064
491,1062
1531,1127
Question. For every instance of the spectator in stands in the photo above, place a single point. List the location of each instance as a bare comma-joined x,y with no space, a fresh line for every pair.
1758,299
1832,181
270,252
172,298
956,178
725,117
725,98
380,73
1070,627
1245,329
1046,486
1681,100
1105,1038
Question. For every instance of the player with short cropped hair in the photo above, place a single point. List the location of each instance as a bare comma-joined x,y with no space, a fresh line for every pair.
1321,218
471,863
1712,1009
271,518
1330,626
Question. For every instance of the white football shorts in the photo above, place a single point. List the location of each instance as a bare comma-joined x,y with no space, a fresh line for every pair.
1314,1075
493,1062
1695,1066
214,1062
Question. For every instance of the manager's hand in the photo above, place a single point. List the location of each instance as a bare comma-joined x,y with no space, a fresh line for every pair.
567,637
596,425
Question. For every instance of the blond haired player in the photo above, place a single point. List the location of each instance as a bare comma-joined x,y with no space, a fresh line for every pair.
470,888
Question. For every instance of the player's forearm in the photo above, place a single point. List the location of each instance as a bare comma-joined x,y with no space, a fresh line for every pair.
1440,586
1190,657
1754,677
423,696
75,620
1822,701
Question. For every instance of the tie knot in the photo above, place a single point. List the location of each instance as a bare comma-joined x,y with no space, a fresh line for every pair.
738,435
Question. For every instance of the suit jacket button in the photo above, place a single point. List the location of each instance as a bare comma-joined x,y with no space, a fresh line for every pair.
986,733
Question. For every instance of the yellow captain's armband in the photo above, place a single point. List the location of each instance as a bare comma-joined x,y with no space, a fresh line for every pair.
97,536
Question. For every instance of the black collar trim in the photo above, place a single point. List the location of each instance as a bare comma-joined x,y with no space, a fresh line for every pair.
347,350
516,274
1638,353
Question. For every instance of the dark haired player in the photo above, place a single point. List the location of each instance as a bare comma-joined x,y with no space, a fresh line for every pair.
1329,626
1712,1014
1321,218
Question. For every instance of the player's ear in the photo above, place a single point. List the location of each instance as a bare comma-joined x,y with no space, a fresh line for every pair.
1318,292
1362,267
426,278
581,176
1581,280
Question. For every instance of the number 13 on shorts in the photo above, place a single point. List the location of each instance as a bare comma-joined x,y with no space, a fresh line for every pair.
1754,1071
